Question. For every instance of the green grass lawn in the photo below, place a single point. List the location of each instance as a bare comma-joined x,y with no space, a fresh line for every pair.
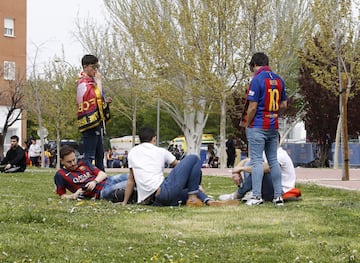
36,226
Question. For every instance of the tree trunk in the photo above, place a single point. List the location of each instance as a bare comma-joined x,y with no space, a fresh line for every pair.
193,129
337,144
133,122
2,139
222,150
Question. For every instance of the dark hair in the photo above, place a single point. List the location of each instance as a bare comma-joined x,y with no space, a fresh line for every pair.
14,137
146,134
66,150
89,60
259,59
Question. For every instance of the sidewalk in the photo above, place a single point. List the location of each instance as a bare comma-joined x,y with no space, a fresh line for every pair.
320,176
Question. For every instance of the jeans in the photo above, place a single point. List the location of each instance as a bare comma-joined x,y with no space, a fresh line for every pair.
183,180
267,190
94,147
263,140
112,183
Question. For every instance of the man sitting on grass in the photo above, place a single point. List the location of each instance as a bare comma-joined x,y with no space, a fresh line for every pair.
242,178
86,182
15,160
181,186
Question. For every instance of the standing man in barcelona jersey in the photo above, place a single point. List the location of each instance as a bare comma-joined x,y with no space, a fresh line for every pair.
266,95
93,111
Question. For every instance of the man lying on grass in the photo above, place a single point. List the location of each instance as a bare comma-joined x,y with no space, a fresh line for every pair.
84,182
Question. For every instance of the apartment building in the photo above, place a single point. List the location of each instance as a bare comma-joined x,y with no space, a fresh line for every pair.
12,61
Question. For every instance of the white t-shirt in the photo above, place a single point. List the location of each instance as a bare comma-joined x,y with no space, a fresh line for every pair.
148,162
34,150
288,176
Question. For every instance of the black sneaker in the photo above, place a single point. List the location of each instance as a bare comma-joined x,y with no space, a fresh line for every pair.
278,201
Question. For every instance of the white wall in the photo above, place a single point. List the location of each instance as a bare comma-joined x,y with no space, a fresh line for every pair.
15,129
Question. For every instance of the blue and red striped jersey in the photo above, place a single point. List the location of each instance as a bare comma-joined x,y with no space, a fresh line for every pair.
74,180
268,90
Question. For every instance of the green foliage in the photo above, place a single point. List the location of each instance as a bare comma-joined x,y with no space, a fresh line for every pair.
36,226
121,126
330,48
329,51
55,97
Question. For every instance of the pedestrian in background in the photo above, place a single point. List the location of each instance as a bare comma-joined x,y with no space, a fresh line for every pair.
230,151
34,153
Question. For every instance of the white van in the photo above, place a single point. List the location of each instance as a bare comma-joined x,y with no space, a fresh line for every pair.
122,144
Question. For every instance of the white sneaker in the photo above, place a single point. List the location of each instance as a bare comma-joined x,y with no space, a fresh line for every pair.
227,197
247,197
254,201
278,201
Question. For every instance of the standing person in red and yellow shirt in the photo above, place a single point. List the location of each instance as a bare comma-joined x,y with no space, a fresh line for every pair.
93,111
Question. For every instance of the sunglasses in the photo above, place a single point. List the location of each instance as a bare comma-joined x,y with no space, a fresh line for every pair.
94,66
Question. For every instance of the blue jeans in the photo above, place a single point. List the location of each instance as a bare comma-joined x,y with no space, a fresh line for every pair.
267,190
263,140
112,183
183,180
94,147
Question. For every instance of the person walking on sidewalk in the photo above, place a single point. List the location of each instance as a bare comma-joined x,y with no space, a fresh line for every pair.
266,95
147,162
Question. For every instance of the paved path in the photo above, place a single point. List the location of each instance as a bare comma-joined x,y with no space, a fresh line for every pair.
320,176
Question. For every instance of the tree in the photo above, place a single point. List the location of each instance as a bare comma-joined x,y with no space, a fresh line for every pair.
54,97
196,52
190,48
331,50
322,110
60,81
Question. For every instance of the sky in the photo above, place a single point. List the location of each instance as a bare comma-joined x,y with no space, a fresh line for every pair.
51,27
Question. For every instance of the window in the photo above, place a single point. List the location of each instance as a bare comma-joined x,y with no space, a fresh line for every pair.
9,70
9,27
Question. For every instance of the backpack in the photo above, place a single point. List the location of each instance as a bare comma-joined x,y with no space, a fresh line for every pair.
293,194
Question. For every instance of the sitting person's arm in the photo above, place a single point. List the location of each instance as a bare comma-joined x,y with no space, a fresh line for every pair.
129,187
5,160
241,167
99,178
174,163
